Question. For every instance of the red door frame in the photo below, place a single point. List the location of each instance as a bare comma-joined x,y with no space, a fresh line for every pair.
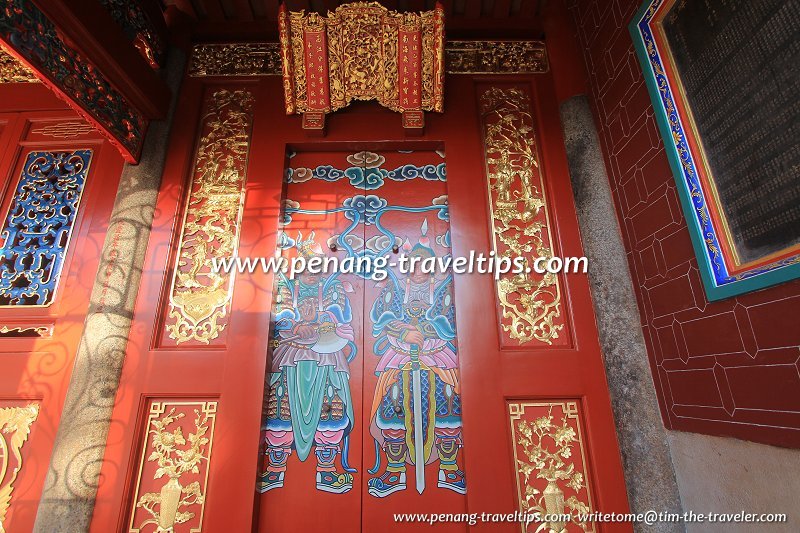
236,376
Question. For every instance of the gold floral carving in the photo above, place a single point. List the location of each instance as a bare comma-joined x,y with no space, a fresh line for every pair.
180,453
495,57
199,297
12,71
235,59
362,45
550,462
530,302
15,426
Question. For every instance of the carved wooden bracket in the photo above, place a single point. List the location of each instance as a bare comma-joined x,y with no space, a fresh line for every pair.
81,52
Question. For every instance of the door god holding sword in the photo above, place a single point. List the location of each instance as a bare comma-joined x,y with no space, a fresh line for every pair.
416,411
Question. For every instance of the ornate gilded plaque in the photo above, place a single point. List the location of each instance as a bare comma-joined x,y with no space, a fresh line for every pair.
550,460
172,483
199,297
530,303
15,426
38,226
362,51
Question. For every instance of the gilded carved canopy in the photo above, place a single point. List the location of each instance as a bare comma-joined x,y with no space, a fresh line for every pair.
362,51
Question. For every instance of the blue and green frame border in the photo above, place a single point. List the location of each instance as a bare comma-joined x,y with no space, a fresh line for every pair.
717,280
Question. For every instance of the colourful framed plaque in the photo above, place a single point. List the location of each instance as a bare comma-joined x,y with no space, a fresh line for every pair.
728,116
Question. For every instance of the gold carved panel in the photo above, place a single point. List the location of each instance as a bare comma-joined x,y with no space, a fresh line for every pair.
550,463
15,426
199,297
235,59
530,303
495,57
172,483
12,71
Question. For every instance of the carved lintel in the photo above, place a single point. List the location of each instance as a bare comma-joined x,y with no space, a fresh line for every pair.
235,59
496,57
461,57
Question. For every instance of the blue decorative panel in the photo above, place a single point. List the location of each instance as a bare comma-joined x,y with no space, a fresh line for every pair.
38,226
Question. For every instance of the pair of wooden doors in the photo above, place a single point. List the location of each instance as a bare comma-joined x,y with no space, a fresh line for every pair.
250,401
363,411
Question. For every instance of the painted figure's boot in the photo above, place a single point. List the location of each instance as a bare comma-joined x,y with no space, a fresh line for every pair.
328,479
272,476
394,478
450,476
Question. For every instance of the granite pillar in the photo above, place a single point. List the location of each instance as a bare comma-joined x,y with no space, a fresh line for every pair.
70,486
646,459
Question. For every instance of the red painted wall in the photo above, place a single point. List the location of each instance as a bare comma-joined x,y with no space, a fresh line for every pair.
723,368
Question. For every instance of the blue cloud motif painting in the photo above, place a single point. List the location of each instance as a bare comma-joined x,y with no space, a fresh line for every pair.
366,207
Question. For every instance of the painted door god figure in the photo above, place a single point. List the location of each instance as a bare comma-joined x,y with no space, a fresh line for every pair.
416,412
309,404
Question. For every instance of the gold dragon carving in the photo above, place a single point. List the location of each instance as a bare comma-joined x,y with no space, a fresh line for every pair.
15,426
550,460
177,451
200,297
530,302
362,44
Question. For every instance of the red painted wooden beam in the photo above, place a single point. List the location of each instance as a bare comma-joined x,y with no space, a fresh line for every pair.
91,30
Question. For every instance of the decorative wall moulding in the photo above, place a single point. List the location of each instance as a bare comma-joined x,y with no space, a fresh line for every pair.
550,459
461,57
172,482
199,296
16,422
25,331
